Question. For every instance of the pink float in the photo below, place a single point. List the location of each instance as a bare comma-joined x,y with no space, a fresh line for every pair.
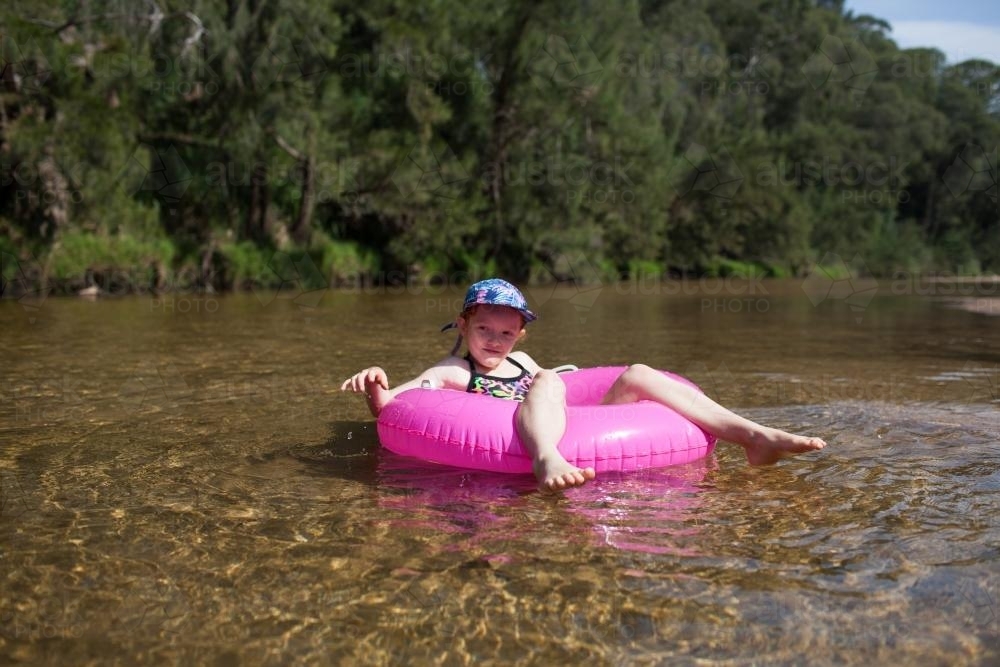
476,431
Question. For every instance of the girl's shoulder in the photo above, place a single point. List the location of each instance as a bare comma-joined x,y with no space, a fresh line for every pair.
525,360
451,372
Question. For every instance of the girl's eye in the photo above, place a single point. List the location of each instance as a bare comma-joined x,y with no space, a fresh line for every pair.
485,330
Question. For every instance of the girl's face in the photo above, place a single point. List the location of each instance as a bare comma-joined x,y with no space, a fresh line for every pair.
491,333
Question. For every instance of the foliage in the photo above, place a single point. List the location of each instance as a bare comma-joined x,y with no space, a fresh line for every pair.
396,140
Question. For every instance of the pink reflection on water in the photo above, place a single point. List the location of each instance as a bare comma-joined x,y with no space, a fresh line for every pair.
651,511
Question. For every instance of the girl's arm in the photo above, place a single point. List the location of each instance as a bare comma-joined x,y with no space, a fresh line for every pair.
374,382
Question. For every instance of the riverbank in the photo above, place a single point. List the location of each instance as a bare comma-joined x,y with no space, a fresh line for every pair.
292,277
980,305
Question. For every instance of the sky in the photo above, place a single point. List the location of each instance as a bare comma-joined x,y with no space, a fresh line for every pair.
961,29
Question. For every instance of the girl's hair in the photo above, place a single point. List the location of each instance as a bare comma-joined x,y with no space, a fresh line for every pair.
468,313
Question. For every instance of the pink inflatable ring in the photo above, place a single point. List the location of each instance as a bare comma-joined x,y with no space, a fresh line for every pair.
477,431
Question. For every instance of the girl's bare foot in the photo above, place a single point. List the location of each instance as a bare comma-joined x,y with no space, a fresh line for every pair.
771,445
559,474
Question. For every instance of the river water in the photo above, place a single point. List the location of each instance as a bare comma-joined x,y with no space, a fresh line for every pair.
182,481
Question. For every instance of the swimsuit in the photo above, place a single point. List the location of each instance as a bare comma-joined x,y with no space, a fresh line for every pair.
512,389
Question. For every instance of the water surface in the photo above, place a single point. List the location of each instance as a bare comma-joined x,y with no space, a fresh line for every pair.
182,481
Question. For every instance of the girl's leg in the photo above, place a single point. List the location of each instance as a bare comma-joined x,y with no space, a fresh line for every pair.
762,444
541,422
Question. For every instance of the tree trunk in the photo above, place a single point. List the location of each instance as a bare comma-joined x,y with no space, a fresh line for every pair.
260,199
207,278
54,198
930,215
503,115
303,225
302,229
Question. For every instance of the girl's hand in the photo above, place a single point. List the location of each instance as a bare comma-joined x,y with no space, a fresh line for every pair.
366,380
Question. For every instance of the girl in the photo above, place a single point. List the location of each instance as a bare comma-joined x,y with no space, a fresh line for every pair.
492,322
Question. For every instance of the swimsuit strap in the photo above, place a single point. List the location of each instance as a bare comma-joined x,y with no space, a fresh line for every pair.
515,388
514,361
472,369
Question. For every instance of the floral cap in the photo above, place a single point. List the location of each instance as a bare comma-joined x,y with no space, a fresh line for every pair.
495,292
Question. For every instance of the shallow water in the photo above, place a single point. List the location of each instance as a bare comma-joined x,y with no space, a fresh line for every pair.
181,481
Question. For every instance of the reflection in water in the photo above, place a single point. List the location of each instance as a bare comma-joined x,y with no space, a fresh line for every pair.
619,510
195,489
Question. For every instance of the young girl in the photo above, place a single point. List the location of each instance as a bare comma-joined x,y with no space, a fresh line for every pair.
492,322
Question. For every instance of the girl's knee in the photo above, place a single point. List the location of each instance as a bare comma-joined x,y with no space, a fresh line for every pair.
637,374
548,385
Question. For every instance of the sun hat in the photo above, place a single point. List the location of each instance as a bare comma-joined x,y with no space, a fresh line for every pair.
495,292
